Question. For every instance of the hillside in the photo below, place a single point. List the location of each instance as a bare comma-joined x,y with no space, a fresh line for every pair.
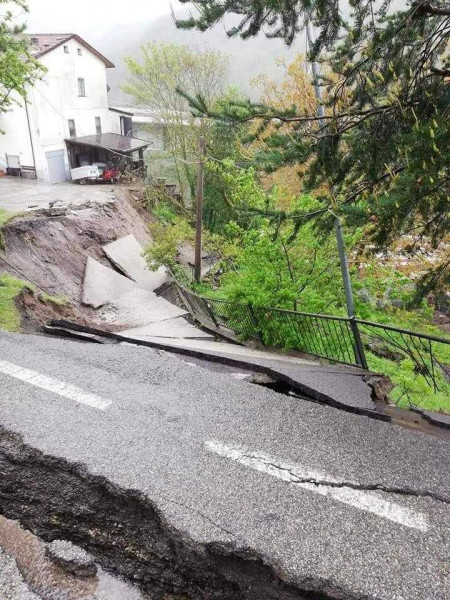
248,59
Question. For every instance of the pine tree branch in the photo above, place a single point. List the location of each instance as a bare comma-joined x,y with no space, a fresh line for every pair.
428,9
441,72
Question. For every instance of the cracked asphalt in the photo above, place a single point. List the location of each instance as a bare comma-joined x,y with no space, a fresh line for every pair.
157,436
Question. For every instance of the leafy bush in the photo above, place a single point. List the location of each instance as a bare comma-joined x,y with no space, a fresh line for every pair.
165,212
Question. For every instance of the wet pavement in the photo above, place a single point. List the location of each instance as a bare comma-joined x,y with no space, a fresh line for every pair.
195,464
27,573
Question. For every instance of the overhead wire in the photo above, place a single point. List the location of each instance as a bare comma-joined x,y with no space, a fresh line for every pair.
82,132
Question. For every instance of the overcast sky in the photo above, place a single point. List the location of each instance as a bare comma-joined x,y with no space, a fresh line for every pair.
84,16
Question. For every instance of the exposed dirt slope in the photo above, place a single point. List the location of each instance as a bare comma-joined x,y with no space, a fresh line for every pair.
49,248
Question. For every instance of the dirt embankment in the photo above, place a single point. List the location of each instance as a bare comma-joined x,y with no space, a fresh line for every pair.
49,249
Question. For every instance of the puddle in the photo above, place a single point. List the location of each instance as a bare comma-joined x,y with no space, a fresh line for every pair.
51,582
413,421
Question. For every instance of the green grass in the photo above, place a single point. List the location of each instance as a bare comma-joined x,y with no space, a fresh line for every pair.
5,217
411,390
56,300
10,288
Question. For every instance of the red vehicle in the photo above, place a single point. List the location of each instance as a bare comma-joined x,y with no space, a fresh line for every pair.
108,171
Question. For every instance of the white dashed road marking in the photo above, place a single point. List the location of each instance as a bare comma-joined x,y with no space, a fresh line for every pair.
296,474
54,385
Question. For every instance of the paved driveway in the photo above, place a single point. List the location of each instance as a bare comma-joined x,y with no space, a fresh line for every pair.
20,195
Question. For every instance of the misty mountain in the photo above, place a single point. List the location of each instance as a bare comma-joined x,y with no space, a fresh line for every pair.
248,59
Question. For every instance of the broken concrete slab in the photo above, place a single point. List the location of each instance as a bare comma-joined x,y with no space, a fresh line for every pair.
212,347
337,386
138,308
126,254
102,285
172,329
341,386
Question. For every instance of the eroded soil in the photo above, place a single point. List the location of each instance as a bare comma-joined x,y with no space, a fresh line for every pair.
49,249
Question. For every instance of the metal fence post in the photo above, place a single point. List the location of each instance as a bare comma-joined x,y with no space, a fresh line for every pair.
210,312
255,322
187,303
360,353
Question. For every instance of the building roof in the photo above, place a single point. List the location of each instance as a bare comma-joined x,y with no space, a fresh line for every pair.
121,111
145,115
42,43
110,141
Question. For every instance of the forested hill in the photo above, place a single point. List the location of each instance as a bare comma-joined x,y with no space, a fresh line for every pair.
248,59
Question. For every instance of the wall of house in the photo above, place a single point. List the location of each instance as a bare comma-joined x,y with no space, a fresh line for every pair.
55,100
14,135
151,132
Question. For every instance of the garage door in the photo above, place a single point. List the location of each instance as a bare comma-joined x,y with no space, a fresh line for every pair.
56,166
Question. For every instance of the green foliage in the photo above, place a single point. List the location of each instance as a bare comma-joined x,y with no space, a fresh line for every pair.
277,19
380,154
167,239
153,82
223,142
18,68
10,288
165,212
299,275
239,187
411,389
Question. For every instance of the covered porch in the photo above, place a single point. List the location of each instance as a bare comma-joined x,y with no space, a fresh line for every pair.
113,148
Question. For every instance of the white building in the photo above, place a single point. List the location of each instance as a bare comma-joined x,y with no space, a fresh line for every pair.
66,122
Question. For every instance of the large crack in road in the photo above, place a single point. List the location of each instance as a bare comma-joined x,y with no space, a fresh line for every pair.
188,482
127,535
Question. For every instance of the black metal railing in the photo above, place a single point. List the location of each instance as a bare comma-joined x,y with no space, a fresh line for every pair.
339,339
398,344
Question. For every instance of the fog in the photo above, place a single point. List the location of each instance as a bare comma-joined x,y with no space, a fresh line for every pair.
118,29
88,18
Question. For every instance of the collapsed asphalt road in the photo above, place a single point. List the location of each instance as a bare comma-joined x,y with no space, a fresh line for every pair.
190,481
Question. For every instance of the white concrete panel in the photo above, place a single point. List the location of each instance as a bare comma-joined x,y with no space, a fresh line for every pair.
138,308
126,255
102,285
177,328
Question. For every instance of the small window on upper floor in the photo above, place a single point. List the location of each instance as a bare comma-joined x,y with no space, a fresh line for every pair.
98,125
66,49
80,52
72,128
81,87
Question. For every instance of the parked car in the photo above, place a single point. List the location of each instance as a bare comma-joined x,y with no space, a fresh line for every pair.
109,172
96,173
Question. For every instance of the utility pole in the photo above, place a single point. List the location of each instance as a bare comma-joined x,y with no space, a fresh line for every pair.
199,220
358,348
344,267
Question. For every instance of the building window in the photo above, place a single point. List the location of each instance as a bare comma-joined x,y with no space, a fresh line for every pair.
66,49
72,128
98,125
80,52
81,87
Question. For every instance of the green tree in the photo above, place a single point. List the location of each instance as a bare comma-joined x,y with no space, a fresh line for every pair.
18,68
153,82
381,152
